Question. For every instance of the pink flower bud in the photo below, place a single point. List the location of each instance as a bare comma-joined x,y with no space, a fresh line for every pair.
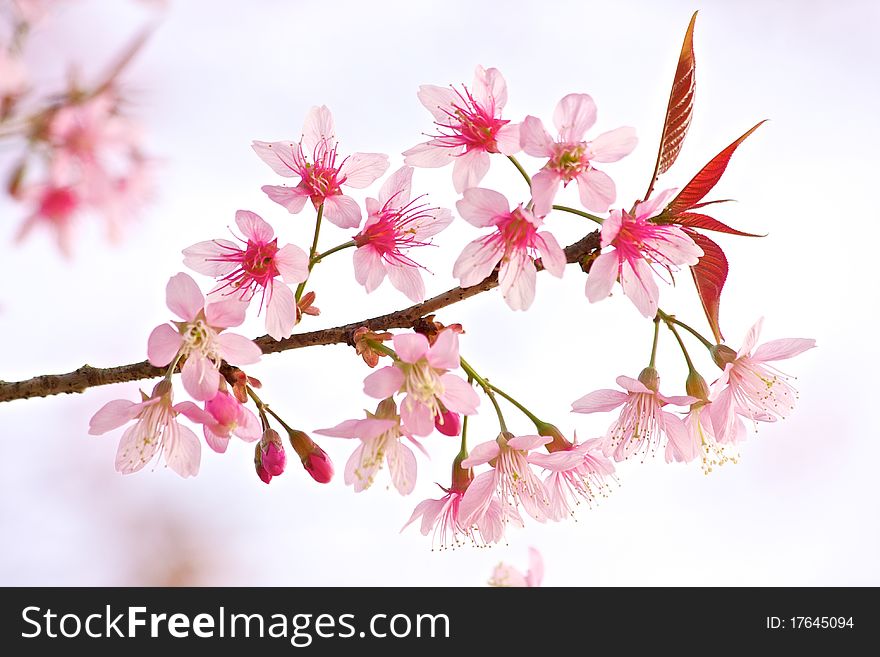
314,459
262,474
319,466
272,455
559,442
448,423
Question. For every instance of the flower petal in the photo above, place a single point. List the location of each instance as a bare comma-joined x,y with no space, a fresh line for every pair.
383,383
482,453
552,255
401,466
369,268
458,396
183,296
292,198
292,263
318,128
342,210
516,280
482,207
280,311
527,443
443,354
599,401
535,139
183,452
438,101
411,347
408,280
162,345
545,186
113,415
254,227
602,276
397,188
574,115
200,378
490,89
469,169
429,155
477,498
637,280
477,261
612,145
782,349
416,417
283,157
363,429
238,350
226,313
361,170
596,190
135,450
209,257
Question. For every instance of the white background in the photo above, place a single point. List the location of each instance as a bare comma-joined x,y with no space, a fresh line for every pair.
800,508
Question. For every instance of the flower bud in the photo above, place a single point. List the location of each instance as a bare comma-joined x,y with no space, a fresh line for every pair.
722,355
650,378
262,473
559,442
696,386
273,457
313,458
461,477
448,423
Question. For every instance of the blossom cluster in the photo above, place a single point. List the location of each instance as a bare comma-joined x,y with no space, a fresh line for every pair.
426,392
81,153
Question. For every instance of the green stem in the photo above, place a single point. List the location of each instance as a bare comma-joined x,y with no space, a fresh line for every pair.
670,318
261,408
519,168
318,258
687,356
464,423
580,213
534,418
173,366
378,346
487,388
302,286
656,336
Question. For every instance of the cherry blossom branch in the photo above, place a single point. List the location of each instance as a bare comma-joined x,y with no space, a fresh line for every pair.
87,376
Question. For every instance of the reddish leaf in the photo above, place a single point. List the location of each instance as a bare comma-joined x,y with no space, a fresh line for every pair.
680,109
710,273
696,220
706,179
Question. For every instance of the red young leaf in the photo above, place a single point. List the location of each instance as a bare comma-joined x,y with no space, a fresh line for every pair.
706,179
680,108
710,273
696,220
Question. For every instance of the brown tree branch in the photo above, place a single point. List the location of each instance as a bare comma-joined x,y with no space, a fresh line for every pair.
88,377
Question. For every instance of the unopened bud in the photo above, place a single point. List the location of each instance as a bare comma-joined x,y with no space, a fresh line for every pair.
722,355
461,477
313,458
262,473
273,456
162,388
696,386
559,442
650,378
448,423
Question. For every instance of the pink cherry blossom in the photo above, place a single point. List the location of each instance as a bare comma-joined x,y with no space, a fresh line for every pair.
443,516
227,417
270,459
55,206
422,374
507,576
156,431
394,226
571,158
749,386
314,160
514,243
642,423
511,477
639,249
243,272
577,472
86,133
470,127
197,338
381,436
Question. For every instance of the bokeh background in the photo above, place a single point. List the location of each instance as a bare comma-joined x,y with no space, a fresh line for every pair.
800,508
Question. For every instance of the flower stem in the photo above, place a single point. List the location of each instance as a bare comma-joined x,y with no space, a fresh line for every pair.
687,356
319,257
671,318
312,261
580,213
173,366
261,408
656,336
464,423
519,167
534,418
375,345
487,388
